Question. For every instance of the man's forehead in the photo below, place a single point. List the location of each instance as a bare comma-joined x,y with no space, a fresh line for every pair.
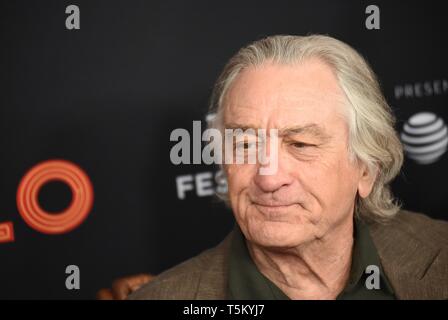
307,113
271,97
295,103
284,88
310,78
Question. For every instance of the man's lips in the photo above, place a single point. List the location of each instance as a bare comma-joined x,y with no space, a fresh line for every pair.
270,205
273,208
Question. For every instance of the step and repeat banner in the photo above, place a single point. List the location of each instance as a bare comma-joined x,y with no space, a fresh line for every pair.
92,90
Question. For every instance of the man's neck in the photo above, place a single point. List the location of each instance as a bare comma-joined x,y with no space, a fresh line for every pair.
315,270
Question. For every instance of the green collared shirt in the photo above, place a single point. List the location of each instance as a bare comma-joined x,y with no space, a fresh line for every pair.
246,282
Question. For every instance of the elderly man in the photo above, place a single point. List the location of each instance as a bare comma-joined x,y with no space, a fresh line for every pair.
324,225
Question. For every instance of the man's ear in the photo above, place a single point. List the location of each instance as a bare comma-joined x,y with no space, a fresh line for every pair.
366,180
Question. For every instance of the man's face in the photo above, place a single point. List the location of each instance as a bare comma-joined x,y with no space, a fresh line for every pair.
314,188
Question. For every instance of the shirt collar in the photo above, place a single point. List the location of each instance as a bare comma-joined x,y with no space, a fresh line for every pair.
246,282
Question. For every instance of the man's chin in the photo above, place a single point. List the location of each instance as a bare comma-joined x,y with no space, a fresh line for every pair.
277,234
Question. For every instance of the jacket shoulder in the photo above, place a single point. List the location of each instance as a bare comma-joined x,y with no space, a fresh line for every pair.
430,231
413,250
200,277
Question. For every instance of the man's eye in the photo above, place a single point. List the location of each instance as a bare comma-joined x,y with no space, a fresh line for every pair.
300,145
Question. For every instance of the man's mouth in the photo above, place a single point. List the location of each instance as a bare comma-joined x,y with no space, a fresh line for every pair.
273,208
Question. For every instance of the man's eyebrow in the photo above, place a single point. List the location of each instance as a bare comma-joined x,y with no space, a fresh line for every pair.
309,128
235,126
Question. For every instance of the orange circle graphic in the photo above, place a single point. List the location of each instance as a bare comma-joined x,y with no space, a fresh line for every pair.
43,173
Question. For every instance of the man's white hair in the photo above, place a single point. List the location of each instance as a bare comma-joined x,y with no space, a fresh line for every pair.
372,137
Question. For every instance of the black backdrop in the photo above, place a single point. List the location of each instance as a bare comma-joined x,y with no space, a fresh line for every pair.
107,96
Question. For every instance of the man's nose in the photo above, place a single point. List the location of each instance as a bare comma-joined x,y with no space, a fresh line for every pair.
275,181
